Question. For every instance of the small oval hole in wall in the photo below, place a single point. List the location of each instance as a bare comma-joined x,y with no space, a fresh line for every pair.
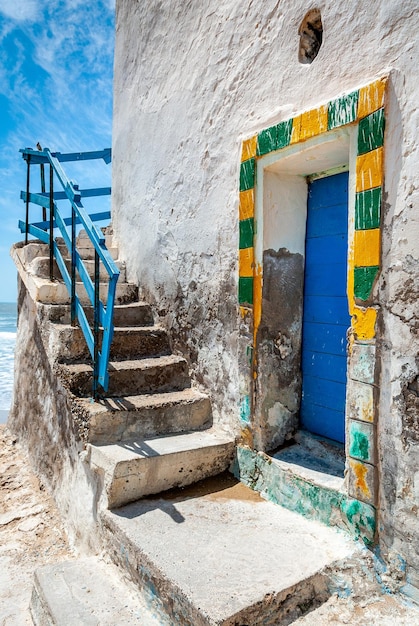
311,36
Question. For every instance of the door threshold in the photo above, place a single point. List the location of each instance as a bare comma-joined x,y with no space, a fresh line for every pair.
316,459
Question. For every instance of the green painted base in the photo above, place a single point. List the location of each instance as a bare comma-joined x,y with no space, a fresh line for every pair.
258,471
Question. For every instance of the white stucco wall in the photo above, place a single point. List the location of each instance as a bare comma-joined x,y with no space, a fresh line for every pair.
191,81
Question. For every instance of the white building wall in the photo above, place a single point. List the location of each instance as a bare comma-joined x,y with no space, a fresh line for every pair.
191,81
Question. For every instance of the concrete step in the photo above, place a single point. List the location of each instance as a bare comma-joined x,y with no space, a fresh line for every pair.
217,554
40,267
87,252
149,415
55,292
128,342
138,467
308,477
31,251
83,239
85,246
87,592
131,377
130,314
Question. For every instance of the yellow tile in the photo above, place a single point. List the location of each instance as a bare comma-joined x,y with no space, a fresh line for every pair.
363,323
360,471
249,148
367,247
246,262
247,204
369,170
309,124
371,97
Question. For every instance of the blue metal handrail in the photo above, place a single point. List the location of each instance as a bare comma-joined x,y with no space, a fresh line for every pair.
103,314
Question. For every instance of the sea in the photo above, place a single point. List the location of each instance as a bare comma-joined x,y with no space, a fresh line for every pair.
8,319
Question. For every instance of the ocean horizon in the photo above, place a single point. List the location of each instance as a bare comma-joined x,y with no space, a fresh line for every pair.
8,320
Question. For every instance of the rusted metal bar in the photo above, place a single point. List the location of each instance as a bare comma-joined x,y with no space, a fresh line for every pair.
28,178
96,329
42,166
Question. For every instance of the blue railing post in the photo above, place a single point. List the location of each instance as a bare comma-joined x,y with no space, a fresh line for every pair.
51,223
73,267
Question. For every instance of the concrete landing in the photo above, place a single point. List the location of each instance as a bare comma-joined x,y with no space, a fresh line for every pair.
89,592
216,553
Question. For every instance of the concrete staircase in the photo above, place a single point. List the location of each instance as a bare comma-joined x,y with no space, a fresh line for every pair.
151,431
201,548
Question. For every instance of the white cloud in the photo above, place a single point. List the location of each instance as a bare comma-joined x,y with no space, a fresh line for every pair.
57,78
20,10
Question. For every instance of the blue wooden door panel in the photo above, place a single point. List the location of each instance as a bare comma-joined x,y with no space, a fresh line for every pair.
327,192
327,366
325,315
326,310
331,339
317,417
326,221
319,278
331,244
325,393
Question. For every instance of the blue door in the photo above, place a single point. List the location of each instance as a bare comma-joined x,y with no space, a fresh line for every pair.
325,315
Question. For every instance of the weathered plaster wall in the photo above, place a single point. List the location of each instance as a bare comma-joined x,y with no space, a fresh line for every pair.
192,81
55,445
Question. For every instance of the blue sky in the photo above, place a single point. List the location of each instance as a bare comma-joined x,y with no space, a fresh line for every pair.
56,63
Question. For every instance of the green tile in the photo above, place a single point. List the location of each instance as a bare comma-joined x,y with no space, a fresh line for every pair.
245,410
361,441
267,140
367,209
371,132
342,110
274,138
284,134
363,281
245,290
247,174
246,233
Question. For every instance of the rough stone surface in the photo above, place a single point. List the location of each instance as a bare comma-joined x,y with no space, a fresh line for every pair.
116,419
89,592
374,610
136,468
55,292
252,562
127,342
129,377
